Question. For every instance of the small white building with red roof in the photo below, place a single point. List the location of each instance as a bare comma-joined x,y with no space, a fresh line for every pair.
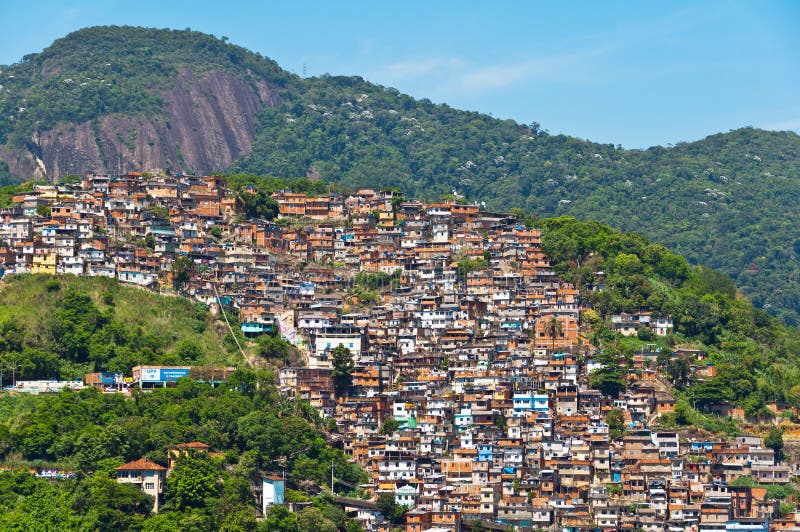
149,476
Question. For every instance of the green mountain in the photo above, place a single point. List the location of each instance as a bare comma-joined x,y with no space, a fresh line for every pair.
115,99
122,98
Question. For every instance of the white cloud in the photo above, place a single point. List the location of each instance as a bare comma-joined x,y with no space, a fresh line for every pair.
420,67
495,77
572,60
443,76
412,69
438,74
784,125
557,67
500,76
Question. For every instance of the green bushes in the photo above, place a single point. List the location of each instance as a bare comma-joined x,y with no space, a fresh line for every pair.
91,432
63,327
754,354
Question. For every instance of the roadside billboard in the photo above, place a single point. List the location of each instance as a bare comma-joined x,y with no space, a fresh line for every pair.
163,374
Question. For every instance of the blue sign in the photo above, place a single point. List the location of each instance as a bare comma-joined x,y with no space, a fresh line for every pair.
173,374
107,377
163,374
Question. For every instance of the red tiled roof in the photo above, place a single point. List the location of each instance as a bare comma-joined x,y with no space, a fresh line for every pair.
192,445
142,464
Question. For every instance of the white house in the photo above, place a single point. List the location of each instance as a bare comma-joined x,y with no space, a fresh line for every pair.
149,476
273,489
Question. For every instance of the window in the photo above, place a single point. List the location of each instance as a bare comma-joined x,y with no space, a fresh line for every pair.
149,485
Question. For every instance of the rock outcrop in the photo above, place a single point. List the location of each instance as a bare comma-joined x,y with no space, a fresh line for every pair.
207,121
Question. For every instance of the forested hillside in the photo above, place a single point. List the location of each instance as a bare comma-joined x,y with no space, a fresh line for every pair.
249,427
61,327
755,355
730,201
120,98
117,99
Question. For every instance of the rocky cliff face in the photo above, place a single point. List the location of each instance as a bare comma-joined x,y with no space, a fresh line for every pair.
206,122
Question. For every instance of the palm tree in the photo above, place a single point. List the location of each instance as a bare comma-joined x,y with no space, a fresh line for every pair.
553,329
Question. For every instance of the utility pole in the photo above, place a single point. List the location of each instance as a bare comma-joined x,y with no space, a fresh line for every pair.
14,374
332,493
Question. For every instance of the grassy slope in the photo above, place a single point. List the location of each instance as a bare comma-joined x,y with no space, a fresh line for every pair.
30,300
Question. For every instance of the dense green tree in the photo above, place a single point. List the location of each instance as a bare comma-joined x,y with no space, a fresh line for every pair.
682,413
755,407
239,519
313,520
679,370
388,506
163,522
793,396
259,204
188,351
279,518
710,393
609,381
251,382
105,504
274,347
343,367
194,479
389,426
476,525
182,269
774,441
354,526
616,424
373,280
466,265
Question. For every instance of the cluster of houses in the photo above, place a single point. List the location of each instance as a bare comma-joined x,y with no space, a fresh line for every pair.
522,441
469,400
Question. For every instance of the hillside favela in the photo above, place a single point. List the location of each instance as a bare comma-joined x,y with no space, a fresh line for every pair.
429,359
237,298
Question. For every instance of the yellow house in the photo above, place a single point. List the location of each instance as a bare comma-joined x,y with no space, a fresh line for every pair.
44,263
385,219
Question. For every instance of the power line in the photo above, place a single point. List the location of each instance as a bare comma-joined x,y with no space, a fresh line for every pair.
222,309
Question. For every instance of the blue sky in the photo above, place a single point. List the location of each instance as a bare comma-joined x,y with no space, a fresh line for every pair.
630,73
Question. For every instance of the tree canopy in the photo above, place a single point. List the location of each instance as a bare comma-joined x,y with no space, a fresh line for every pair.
254,430
343,367
64,327
754,354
